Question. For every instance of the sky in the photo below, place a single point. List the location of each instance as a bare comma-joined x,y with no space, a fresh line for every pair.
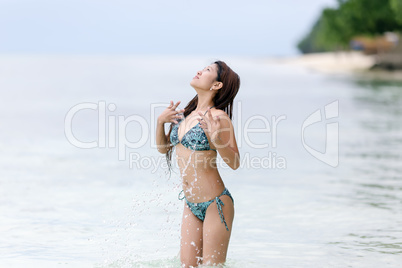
230,27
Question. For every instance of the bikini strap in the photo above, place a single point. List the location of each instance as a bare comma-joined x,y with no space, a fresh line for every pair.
208,109
219,204
226,192
182,191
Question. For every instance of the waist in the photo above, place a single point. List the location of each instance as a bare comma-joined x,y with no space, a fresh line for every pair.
200,161
225,191
203,191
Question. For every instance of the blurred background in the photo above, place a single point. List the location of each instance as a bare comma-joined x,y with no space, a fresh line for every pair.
113,204
155,27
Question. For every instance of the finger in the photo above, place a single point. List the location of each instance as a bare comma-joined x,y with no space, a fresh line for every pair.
179,111
175,106
202,124
202,116
171,104
210,115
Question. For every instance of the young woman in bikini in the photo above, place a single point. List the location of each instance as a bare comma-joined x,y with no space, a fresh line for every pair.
205,130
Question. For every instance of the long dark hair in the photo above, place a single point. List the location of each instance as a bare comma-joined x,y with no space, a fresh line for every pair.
223,99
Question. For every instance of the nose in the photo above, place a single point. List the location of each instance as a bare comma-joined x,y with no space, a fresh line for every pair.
199,73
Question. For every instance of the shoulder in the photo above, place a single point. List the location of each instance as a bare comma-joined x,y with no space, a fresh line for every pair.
220,113
223,116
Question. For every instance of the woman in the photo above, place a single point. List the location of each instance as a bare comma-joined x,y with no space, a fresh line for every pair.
205,130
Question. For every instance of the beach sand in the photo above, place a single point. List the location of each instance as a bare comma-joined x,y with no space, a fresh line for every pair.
345,62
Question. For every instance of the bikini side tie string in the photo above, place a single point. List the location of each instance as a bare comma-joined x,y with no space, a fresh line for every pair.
219,204
182,191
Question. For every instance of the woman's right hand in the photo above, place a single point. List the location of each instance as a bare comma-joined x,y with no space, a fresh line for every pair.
169,115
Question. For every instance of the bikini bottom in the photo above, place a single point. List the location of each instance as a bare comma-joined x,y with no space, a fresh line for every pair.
200,209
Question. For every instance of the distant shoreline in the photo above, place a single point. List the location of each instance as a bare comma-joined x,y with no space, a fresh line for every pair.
345,62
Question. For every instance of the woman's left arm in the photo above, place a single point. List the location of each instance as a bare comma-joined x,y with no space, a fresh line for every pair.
220,133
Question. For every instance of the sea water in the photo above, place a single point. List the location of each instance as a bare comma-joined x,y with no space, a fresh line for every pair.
82,184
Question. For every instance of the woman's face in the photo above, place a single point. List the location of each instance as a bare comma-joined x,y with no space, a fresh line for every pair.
205,78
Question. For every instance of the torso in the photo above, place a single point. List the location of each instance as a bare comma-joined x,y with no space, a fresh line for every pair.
201,179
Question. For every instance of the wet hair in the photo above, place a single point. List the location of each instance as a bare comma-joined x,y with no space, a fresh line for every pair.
222,100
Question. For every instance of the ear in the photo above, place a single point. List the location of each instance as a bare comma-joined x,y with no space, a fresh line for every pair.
217,85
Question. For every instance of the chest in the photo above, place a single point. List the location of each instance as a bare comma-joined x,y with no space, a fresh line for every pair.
189,125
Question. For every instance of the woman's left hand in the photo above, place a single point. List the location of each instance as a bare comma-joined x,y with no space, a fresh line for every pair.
210,125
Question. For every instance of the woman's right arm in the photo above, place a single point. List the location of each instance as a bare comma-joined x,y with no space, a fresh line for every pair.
167,116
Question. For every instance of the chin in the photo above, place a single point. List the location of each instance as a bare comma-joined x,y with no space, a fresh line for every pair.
192,83
195,85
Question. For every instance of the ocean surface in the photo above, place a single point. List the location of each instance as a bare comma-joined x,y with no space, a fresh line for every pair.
82,185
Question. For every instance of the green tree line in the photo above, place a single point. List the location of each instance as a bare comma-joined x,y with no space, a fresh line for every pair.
337,26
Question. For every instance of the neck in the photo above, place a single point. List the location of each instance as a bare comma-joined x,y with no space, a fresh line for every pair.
204,101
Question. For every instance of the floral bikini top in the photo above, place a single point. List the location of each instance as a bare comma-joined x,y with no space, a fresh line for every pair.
194,139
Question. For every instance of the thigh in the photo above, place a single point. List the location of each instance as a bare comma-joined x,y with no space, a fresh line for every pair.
215,236
191,239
